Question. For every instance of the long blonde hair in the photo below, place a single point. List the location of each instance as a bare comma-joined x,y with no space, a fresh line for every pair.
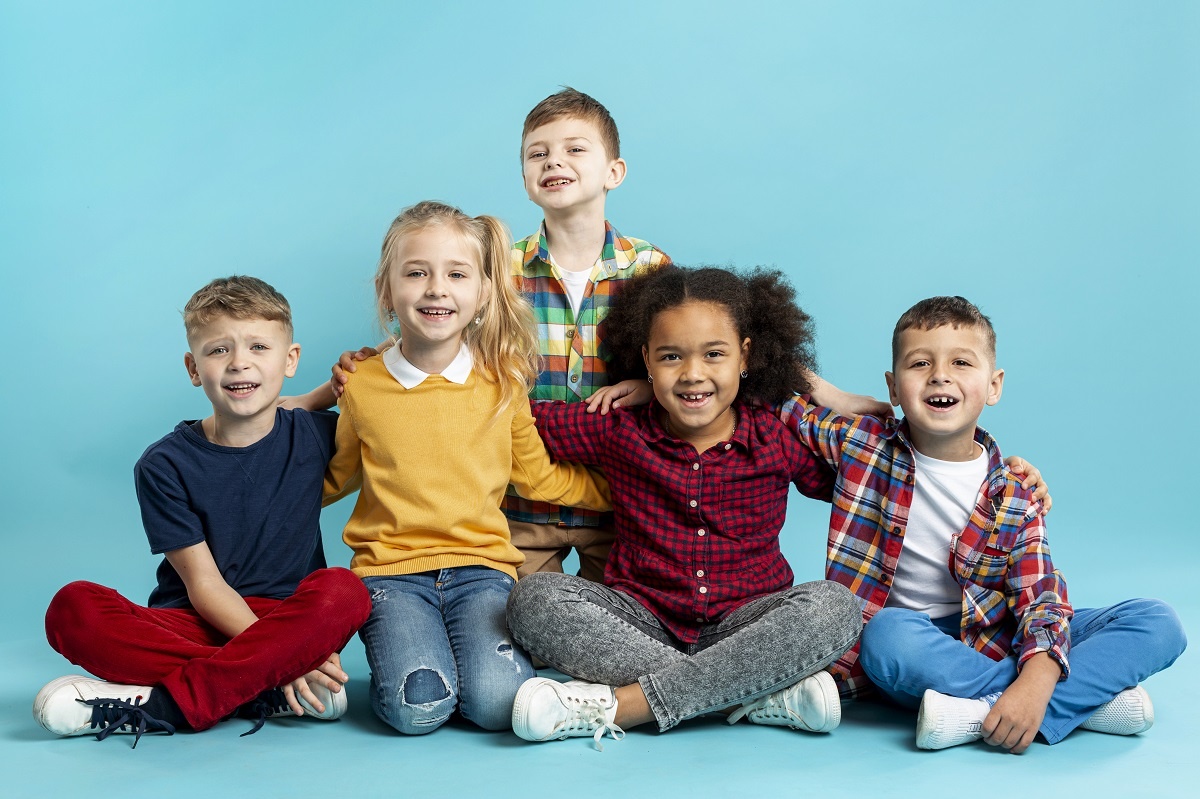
504,344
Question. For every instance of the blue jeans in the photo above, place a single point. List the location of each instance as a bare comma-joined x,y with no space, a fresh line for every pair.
595,633
437,640
1113,648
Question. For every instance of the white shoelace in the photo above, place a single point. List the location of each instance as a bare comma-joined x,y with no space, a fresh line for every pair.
590,716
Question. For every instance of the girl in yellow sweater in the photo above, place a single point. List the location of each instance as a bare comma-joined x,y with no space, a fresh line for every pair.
432,431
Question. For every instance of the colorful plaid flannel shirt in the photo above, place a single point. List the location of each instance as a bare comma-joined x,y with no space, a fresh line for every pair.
571,346
698,535
1013,598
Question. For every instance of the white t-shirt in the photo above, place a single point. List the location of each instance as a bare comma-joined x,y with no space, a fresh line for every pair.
576,284
944,494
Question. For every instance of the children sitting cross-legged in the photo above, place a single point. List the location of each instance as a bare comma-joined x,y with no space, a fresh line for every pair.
245,617
967,617
434,430
697,612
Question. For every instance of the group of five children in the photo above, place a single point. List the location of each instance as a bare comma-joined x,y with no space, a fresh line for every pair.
487,438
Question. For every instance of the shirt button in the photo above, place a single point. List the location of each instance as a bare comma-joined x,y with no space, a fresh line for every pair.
700,618
703,590
700,531
574,378
699,572
728,447
570,332
695,466
693,503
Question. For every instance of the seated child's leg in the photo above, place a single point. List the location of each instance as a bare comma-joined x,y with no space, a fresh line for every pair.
763,646
588,630
1112,649
543,545
120,641
290,638
414,684
905,652
593,545
491,668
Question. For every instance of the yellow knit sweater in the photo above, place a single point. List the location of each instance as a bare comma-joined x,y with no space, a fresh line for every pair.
433,462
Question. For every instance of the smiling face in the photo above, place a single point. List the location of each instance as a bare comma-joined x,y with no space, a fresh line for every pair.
436,287
695,358
566,168
241,364
943,378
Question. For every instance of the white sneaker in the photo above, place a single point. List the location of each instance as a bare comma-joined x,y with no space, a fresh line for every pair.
1127,713
812,705
81,705
949,721
273,704
546,710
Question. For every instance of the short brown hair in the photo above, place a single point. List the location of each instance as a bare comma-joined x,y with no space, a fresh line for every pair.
572,103
238,297
939,311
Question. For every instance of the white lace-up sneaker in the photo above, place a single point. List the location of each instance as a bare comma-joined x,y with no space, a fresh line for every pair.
945,721
1127,713
812,705
81,705
546,710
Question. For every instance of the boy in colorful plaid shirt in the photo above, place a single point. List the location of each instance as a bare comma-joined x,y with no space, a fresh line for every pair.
570,271
967,617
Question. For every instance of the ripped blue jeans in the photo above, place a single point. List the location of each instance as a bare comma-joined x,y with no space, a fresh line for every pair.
436,641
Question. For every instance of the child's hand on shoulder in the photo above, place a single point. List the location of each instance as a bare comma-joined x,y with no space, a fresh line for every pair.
1015,718
1032,479
843,403
328,674
346,364
625,394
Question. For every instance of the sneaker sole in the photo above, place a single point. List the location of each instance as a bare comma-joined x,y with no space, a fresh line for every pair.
520,711
833,707
43,697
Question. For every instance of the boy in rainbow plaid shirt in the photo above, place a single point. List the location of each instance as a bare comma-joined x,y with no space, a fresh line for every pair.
570,271
966,616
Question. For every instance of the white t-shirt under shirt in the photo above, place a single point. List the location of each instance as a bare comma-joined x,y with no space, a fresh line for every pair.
944,494
576,284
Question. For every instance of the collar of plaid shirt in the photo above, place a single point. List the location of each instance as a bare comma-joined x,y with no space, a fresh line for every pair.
618,253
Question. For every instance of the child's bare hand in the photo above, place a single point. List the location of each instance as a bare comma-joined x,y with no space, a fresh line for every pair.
347,364
624,394
1015,718
1032,479
328,674
844,403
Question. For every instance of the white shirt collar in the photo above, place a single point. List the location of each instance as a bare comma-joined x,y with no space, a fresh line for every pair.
410,376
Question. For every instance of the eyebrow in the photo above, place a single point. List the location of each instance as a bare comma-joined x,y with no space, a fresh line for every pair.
706,345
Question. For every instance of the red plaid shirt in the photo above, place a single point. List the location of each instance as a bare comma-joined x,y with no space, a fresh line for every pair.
1013,599
698,535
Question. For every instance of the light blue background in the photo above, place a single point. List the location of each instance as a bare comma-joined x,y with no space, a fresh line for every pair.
1040,159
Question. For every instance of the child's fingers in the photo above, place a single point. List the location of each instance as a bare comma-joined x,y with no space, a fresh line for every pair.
289,693
308,695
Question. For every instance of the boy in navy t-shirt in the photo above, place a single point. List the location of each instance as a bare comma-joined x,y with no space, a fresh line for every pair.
245,617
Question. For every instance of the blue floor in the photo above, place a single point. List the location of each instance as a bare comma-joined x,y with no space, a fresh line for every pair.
872,751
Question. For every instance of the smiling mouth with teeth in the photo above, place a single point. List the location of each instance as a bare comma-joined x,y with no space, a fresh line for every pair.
941,402
241,388
550,184
440,312
694,397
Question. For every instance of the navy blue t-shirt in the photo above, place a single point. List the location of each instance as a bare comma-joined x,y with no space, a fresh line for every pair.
257,507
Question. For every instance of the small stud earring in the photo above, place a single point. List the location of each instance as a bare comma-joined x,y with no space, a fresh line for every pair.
745,374
478,320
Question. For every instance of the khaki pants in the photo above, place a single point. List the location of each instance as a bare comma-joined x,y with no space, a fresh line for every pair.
545,546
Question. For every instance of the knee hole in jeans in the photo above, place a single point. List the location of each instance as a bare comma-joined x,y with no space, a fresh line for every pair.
424,687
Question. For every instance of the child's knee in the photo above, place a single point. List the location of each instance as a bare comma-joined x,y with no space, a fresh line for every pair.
342,595
419,704
1166,632
529,599
881,637
68,612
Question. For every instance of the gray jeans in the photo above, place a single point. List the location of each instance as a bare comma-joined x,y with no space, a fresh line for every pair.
594,633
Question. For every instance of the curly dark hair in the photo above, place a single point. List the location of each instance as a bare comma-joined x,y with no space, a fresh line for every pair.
761,303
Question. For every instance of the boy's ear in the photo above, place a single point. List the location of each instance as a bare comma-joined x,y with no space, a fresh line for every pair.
893,397
189,363
616,174
293,360
995,387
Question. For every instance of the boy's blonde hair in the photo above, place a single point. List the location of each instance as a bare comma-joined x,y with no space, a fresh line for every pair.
238,297
503,345
577,105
